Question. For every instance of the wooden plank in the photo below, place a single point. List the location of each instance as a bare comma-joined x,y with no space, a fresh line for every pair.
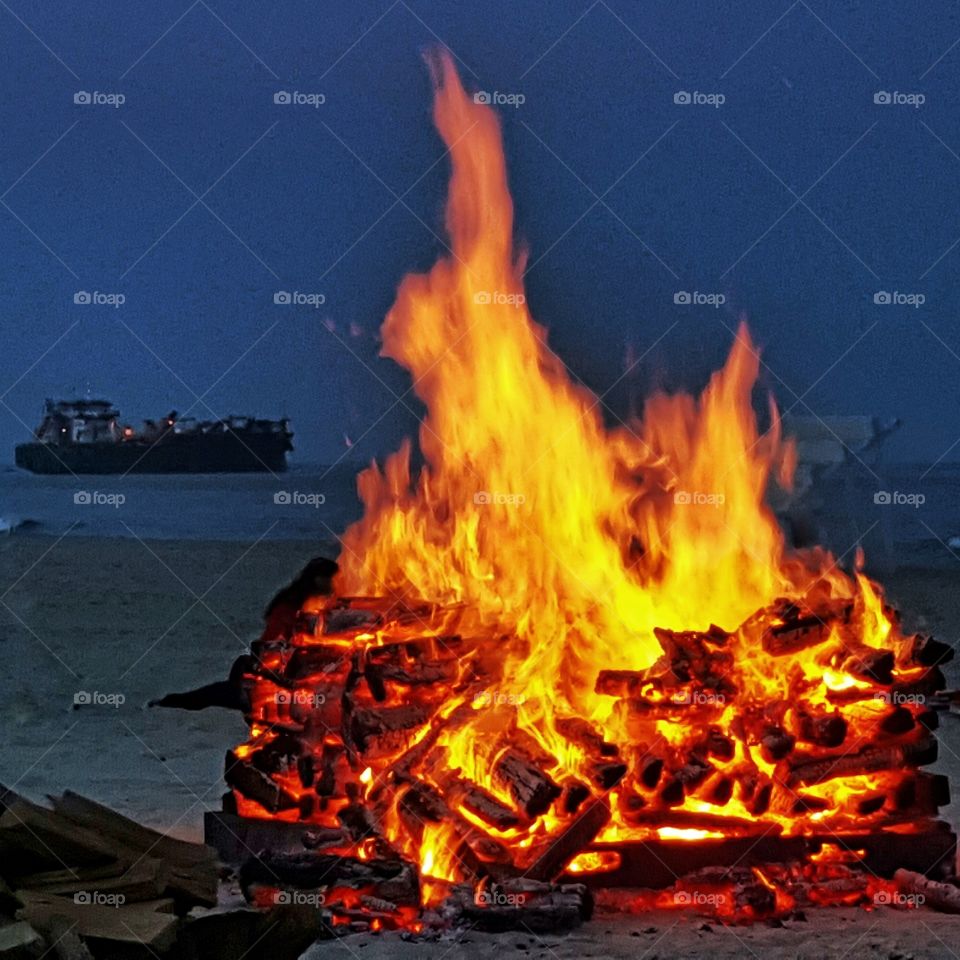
133,925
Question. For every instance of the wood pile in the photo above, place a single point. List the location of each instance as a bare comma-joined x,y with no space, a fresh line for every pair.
79,881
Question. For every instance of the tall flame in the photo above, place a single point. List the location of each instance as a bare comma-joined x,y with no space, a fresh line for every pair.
528,509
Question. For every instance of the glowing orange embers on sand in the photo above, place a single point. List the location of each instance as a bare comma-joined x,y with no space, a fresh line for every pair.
572,618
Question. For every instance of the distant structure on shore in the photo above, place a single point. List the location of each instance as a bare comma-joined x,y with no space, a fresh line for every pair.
85,436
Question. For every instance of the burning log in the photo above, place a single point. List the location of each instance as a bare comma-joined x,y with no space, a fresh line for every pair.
940,896
310,870
868,663
871,759
576,836
620,683
776,743
381,732
481,803
585,734
256,785
574,793
532,790
787,627
694,656
523,905
822,729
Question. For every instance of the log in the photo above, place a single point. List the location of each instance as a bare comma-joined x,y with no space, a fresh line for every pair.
136,926
561,848
868,663
283,932
924,651
532,790
146,879
775,744
380,732
499,908
327,661
19,941
943,897
193,868
822,729
809,770
587,736
309,870
256,785
481,803
620,683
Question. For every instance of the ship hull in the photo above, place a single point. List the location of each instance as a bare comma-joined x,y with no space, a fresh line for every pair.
204,453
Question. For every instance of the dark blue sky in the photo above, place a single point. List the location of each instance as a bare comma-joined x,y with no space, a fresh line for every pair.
798,199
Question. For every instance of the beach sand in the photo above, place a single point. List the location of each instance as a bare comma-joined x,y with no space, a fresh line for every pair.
136,619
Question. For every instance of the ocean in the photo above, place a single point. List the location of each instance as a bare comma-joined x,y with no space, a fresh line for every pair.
907,513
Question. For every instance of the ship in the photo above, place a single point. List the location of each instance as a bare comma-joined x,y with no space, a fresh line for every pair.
87,436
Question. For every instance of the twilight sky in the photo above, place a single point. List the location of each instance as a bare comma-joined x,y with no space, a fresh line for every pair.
799,198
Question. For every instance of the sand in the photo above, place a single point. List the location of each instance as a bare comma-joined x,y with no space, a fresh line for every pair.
125,621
